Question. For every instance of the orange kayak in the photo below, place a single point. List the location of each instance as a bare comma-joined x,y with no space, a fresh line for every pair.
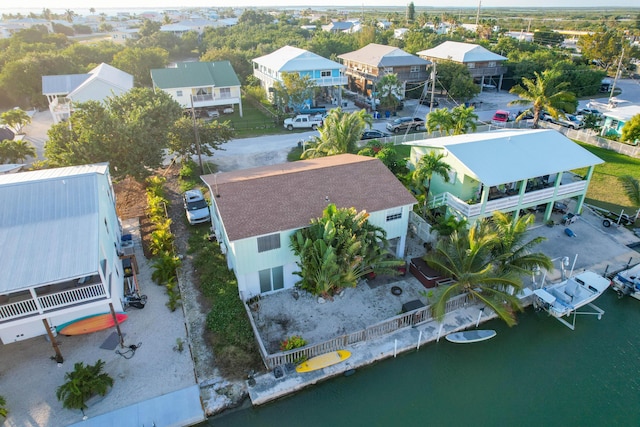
88,324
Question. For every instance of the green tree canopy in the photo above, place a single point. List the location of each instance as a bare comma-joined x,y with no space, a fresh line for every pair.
139,62
182,138
16,151
16,119
129,131
389,90
339,248
294,91
602,47
429,164
631,129
458,121
456,79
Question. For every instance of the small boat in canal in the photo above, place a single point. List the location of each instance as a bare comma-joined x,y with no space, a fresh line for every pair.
466,337
567,297
627,282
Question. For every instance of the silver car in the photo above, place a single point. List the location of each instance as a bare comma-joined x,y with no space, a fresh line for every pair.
196,207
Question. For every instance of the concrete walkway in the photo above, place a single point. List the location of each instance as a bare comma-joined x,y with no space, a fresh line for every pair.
268,387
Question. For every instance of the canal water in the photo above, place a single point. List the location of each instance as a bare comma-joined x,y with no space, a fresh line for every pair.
537,373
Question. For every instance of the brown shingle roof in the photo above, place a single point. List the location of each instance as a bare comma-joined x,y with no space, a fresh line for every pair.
269,199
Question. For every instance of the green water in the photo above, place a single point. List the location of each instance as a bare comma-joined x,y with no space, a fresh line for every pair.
539,373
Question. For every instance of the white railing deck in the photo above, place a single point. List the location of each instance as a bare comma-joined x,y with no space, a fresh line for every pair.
530,198
53,301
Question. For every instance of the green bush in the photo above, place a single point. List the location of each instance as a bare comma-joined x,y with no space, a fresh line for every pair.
3,407
82,383
164,268
294,341
173,293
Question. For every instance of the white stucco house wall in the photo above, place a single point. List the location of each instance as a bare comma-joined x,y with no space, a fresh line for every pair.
256,211
98,84
60,260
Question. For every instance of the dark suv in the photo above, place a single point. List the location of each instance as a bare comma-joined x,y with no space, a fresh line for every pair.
404,123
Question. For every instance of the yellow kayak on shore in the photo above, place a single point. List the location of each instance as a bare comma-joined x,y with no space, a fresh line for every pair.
323,361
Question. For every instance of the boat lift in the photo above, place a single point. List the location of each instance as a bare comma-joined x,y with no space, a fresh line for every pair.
544,300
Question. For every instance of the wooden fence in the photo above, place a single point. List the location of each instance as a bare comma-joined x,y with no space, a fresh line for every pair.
404,320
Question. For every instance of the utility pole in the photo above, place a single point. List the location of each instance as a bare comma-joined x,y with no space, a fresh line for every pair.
433,85
195,131
615,80
478,13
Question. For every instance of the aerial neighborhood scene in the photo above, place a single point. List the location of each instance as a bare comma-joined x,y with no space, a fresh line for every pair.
286,214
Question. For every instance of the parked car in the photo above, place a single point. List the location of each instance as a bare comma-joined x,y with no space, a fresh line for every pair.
228,110
404,123
374,134
196,207
427,101
584,112
501,117
569,120
526,115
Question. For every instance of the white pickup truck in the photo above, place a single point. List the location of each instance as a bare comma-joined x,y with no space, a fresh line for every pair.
302,121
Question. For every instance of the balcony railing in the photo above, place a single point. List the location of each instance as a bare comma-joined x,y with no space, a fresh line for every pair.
506,204
53,301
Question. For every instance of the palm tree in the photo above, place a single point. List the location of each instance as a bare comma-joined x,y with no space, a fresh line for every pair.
545,92
431,163
339,134
16,151
511,252
466,258
389,88
69,15
82,383
631,188
440,120
3,407
464,118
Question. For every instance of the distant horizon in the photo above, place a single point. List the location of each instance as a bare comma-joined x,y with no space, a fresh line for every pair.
36,6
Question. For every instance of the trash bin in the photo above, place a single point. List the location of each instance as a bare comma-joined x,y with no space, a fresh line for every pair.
387,114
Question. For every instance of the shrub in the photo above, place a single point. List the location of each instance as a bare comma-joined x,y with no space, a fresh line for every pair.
3,407
83,383
164,268
294,341
173,293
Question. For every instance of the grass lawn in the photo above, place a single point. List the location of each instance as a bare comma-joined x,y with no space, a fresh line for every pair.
254,122
605,190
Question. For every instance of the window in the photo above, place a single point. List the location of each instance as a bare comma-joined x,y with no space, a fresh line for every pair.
225,92
492,64
394,214
178,93
271,279
325,73
415,68
388,70
267,243
471,65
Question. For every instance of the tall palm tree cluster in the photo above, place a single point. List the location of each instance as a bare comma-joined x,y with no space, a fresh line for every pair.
339,134
488,262
339,248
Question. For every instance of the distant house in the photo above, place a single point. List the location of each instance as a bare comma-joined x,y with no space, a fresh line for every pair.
200,84
615,119
366,66
121,36
328,75
197,25
399,33
61,242
507,170
98,84
338,27
256,211
486,67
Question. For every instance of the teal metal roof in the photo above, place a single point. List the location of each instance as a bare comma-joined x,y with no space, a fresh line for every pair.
196,74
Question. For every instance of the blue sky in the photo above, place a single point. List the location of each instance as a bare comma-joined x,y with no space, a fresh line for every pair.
155,4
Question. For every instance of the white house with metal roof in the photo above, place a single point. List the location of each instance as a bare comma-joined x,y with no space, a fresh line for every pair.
101,82
325,73
485,66
507,170
256,211
60,239
200,84
366,66
615,119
